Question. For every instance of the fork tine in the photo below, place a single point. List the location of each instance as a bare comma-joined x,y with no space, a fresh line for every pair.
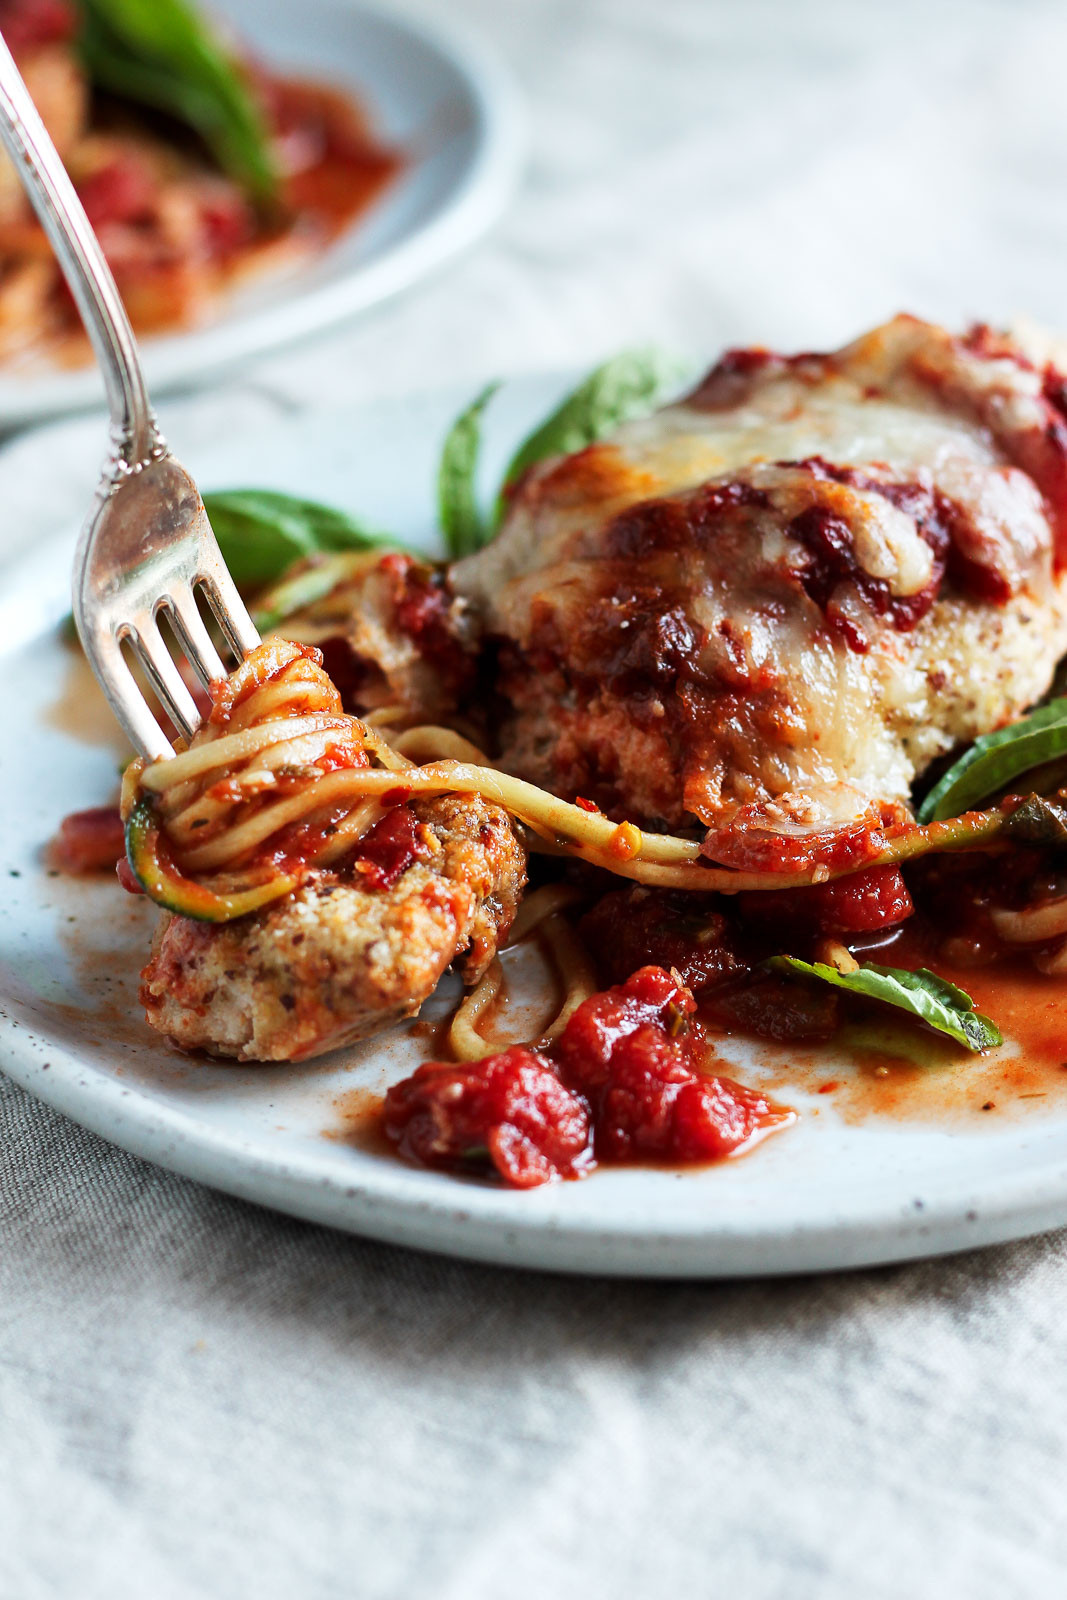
151,650
221,594
146,550
188,624
124,694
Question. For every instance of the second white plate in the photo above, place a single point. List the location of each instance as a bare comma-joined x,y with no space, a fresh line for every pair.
432,92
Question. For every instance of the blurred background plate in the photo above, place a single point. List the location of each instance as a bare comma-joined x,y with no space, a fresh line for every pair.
430,91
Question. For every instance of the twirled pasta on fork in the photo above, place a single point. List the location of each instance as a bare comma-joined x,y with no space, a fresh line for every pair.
306,909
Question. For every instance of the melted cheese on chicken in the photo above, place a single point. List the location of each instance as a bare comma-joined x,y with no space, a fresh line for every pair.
791,592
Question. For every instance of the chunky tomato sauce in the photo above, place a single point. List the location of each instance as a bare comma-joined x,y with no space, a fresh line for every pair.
423,611
339,168
625,1082
89,841
752,843
956,540
863,902
390,848
1040,450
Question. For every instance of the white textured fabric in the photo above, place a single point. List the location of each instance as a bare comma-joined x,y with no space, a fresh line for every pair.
198,1398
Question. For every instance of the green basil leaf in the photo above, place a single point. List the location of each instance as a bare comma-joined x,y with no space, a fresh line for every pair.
996,759
1039,820
628,386
923,994
462,523
163,54
261,532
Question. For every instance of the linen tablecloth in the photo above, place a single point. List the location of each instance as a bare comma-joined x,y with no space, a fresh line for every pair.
200,1398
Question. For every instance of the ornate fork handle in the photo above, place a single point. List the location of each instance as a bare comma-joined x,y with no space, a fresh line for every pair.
135,437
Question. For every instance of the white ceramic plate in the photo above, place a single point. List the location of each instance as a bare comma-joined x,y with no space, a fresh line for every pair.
433,92
827,1193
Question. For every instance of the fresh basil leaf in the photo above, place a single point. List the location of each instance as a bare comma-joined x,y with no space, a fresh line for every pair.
1038,820
163,54
996,759
628,386
261,532
933,1000
462,523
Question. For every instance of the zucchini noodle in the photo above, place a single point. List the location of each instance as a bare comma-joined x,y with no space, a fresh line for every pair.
280,780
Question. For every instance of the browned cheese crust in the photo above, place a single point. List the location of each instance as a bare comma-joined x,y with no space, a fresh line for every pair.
790,593
335,962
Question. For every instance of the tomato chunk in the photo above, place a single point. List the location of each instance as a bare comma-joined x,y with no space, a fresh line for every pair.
600,1025
90,841
31,24
859,903
631,1051
121,191
390,848
510,1109
227,221
627,1087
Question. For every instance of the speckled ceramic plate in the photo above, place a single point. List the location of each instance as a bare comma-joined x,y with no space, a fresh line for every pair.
433,92
872,1171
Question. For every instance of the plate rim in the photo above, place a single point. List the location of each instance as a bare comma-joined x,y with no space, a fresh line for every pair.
475,203
475,1222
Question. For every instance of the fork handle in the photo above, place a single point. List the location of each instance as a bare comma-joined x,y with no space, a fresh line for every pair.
134,433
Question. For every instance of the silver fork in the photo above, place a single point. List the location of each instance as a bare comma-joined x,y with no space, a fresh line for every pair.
147,549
